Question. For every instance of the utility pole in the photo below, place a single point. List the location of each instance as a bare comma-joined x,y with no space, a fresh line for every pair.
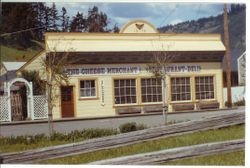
228,59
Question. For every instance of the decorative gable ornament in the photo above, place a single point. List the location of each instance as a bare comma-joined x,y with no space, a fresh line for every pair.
138,26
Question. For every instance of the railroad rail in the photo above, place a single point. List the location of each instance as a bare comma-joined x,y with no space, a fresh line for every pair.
163,156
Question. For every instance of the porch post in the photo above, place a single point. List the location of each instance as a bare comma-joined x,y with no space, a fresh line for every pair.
9,100
31,101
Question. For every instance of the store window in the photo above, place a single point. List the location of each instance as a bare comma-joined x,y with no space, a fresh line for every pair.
87,88
125,91
204,87
180,89
151,90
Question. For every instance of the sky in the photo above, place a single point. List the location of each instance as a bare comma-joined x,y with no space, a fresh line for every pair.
157,13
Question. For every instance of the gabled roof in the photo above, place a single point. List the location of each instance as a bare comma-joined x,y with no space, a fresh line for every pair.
31,60
12,66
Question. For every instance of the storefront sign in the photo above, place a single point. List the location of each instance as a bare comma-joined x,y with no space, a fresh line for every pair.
129,70
103,71
176,68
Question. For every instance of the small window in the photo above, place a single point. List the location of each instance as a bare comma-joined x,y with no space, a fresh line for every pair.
180,89
87,88
204,87
125,91
151,90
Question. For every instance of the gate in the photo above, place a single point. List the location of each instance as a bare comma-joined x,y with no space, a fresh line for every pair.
37,106
17,109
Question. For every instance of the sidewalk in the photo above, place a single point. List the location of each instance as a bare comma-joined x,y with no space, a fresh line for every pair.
65,126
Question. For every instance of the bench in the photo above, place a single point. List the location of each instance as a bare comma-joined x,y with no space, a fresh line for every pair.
152,108
208,105
183,106
128,110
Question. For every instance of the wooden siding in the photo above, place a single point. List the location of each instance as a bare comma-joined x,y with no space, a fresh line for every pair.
97,108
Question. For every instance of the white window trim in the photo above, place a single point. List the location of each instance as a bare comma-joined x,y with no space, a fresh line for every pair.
87,97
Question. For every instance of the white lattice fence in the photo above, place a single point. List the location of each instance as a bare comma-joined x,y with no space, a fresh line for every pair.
4,110
40,107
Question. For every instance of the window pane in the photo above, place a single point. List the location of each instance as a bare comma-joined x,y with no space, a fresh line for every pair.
180,88
117,100
92,91
122,83
116,83
204,87
124,91
87,88
151,90
133,99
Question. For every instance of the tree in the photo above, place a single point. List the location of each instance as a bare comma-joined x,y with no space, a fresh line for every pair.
78,23
54,17
17,17
64,20
96,21
40,10
54,65
116,29
38,84
47,18
161,60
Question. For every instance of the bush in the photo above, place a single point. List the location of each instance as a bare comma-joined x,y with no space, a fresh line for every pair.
70,137
131,126
141,127
128,127
240,102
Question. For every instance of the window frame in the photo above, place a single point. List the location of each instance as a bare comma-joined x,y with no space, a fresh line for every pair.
141,94
214,87
190,84
96,89
136,91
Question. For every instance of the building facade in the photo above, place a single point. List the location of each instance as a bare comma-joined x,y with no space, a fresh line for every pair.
113,73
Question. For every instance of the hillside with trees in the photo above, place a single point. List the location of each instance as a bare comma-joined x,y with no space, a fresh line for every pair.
214,24
18,44
39,18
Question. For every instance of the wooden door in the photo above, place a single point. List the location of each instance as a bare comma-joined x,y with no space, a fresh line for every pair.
67,101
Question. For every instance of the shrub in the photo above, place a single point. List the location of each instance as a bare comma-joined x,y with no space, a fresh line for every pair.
131,126
240,102
141,127
127,127
70,137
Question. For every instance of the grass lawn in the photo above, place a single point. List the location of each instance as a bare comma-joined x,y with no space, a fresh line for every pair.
224,159
15,144
5,148
13,54
229,133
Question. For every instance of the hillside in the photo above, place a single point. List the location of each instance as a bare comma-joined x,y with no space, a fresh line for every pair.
237,31
15,53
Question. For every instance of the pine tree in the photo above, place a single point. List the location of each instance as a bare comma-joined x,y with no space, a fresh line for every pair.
78,23
18,17
54,17
47,18
116,29
97,21
64,20
39,8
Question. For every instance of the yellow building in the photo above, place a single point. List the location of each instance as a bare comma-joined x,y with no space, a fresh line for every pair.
112,75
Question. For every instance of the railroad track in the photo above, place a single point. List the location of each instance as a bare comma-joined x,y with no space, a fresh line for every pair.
163,156
114,141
